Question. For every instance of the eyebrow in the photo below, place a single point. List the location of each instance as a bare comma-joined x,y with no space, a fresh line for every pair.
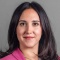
32,21
22,21
35,21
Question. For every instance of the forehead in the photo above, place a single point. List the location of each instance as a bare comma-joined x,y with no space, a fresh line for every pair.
29,14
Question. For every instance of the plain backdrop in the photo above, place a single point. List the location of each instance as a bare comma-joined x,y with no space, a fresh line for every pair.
7,7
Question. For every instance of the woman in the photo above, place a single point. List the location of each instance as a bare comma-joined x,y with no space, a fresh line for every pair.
30,36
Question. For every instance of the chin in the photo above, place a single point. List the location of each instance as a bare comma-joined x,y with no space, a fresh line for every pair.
30,45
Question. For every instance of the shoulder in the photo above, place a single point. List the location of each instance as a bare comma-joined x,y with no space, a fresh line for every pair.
8,57
58,58
15,55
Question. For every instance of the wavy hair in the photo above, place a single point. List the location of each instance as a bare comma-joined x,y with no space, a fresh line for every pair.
47,45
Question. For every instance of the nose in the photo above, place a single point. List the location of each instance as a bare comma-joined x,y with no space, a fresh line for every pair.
29,29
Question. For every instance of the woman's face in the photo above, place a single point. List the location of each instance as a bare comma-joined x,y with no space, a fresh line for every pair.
29,29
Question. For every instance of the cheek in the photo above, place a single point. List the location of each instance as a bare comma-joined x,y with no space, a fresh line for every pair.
38,33
19,33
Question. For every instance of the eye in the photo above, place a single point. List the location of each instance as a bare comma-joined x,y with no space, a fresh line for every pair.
22,24
35,24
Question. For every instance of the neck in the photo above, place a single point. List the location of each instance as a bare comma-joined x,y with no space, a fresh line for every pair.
30,52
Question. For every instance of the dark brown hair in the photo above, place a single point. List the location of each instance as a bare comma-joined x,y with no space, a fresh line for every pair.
47,45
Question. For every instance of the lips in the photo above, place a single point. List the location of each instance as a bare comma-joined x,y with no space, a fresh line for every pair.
28,37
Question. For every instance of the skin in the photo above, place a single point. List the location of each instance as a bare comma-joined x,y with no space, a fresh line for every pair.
29,32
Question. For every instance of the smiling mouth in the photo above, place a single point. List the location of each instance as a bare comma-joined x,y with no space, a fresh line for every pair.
28,37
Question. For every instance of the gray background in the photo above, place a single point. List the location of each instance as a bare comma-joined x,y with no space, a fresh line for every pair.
52,8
